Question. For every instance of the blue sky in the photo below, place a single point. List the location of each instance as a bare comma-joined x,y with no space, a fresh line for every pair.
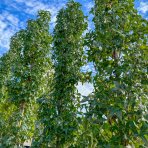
15,13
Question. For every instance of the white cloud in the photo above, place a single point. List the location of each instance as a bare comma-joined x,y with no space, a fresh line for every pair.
3,25
85,89
9,25
143,8
5,38
32,6
7,17
89,5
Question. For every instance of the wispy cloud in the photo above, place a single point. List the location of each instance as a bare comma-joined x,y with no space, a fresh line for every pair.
143,8
89,5
11,22
8,26
32,6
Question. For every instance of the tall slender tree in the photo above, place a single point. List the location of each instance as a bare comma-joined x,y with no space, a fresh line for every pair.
118,51
60,121
27,79
6,62
4,72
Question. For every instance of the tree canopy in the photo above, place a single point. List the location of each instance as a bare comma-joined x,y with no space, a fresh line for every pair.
39,99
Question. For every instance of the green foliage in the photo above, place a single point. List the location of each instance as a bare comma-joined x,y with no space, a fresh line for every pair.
27,80
59,111
6,108
38,95
119,104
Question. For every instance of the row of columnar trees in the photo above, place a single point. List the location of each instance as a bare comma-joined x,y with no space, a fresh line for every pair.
39,74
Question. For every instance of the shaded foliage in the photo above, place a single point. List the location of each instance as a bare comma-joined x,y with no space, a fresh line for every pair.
39,75
117,49
25,85
59,112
